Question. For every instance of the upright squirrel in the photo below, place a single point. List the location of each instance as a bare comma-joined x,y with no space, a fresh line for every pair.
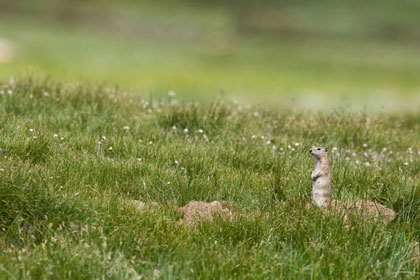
321,177
322,192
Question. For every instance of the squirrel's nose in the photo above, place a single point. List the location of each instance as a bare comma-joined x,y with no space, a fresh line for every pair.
310,150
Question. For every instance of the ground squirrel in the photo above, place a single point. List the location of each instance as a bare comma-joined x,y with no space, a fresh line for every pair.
322,192
322,185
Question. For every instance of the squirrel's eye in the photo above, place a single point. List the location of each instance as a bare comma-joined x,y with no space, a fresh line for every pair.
319,149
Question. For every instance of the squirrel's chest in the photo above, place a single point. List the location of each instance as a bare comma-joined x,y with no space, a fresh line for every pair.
319,183
320,179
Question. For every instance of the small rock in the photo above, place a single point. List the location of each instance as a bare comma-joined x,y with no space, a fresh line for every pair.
139,204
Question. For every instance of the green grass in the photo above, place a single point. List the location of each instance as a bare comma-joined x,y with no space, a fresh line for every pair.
64,199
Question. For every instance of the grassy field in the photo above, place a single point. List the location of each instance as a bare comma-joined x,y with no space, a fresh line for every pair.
73,156
311,55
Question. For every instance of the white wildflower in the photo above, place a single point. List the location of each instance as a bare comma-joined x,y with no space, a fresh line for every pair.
353,154
174,128
31,130
365,154
365,145
9,92
256,114
171,93
263,137
34,137
110,148
367,163
186,130
176,162
297,144
140,141
289,147
1,92
1,169
347,158
99,143
46,93
384,149
405,163
200,131
126,127
334,149
274,147
150,142
62,138
410,150
104,137
139,159
253,136
292,149
55,135
357,162
268,142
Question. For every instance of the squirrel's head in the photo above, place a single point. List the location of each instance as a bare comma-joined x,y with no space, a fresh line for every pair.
318,152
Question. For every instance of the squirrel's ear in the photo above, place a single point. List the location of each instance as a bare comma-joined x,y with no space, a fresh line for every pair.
326,149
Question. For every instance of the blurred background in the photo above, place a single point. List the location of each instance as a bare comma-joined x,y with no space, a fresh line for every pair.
313,55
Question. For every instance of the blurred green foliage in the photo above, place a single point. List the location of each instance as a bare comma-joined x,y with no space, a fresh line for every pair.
312,54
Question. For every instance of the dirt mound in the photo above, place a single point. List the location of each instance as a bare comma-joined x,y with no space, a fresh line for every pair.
364,208
196,211
7,51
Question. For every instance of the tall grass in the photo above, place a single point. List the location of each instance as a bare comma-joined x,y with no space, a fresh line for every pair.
73,156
